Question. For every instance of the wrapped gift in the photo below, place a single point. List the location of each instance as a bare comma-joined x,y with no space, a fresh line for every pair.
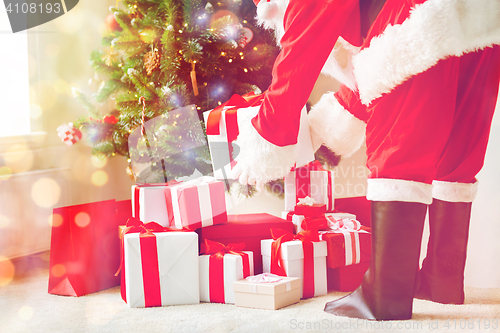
312,181
220,267
346,278
267,291
245,228
195,204
222,131
302,255
308,207
148,203
348,243
299,223
160,264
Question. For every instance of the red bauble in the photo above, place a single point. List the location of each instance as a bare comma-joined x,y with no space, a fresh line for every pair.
111,23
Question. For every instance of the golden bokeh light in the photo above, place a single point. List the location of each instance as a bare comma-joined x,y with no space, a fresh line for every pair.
55,220
82,219
62,87
7,271
5,172
58,270
99,161
25,312
4,221
35,111
45,192
99,178
47,97
19,158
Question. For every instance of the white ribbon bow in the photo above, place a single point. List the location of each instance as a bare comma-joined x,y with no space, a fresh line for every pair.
343,224
264,278
307,201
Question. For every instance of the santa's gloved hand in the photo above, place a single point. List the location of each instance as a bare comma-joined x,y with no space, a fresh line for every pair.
259,161
330,124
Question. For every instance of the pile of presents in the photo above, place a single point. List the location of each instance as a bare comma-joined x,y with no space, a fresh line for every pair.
174,243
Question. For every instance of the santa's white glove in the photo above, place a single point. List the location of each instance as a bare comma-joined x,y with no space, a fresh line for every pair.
335,127
259,161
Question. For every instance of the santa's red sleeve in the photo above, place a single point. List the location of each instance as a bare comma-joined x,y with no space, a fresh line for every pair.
311,31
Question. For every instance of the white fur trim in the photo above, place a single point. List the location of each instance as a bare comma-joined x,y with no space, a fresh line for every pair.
344,75
258,158
435,30
339,130
384,189
454,192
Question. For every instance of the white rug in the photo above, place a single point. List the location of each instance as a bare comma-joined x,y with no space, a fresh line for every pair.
25,306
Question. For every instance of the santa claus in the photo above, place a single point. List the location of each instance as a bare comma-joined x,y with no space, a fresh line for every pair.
426,84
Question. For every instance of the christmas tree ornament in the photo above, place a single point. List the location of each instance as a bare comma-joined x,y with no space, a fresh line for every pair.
111,56
246,37
193,79
69,134
209,8
111,23
152,61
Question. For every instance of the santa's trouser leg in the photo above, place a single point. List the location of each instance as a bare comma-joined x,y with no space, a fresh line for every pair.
441,278
386,292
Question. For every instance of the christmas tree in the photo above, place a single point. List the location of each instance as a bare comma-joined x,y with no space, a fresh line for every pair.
172,54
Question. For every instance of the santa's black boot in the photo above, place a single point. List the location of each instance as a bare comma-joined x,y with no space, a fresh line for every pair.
386,292
441,278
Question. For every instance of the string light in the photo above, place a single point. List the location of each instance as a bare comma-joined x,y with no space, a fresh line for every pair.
230,60
245,70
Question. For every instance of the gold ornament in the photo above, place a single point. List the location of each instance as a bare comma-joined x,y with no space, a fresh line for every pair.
151,61
110,56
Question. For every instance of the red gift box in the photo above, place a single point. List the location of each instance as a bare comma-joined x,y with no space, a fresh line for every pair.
245,228
346,278
342,253
315,210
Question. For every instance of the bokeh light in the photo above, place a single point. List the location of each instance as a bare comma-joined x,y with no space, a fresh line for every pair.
99,178
25,312
55,220
5,172
99,161
82,219
4,221
35,111
45,192
7,271
58,270
47,97
19,158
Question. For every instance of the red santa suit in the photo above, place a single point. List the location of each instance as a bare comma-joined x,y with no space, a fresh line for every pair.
416,75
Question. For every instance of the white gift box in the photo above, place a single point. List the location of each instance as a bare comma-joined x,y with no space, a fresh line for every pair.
297,219
177,254
233,271
149,201
293,259
317,184
222,161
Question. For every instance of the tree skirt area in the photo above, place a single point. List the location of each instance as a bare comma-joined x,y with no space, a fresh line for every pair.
25,306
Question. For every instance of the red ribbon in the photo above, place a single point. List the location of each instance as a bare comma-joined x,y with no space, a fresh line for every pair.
149,258
303,182
315,223
216,269
137,191
278,267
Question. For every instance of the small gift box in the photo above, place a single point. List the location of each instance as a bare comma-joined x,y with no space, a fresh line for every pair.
348,242
222,130
346,278
195,204
148,203
300,223
308,207
267,291
302,255
220,267
245,228
312,181
160,264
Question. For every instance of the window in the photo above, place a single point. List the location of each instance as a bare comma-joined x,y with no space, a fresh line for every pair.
14,80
